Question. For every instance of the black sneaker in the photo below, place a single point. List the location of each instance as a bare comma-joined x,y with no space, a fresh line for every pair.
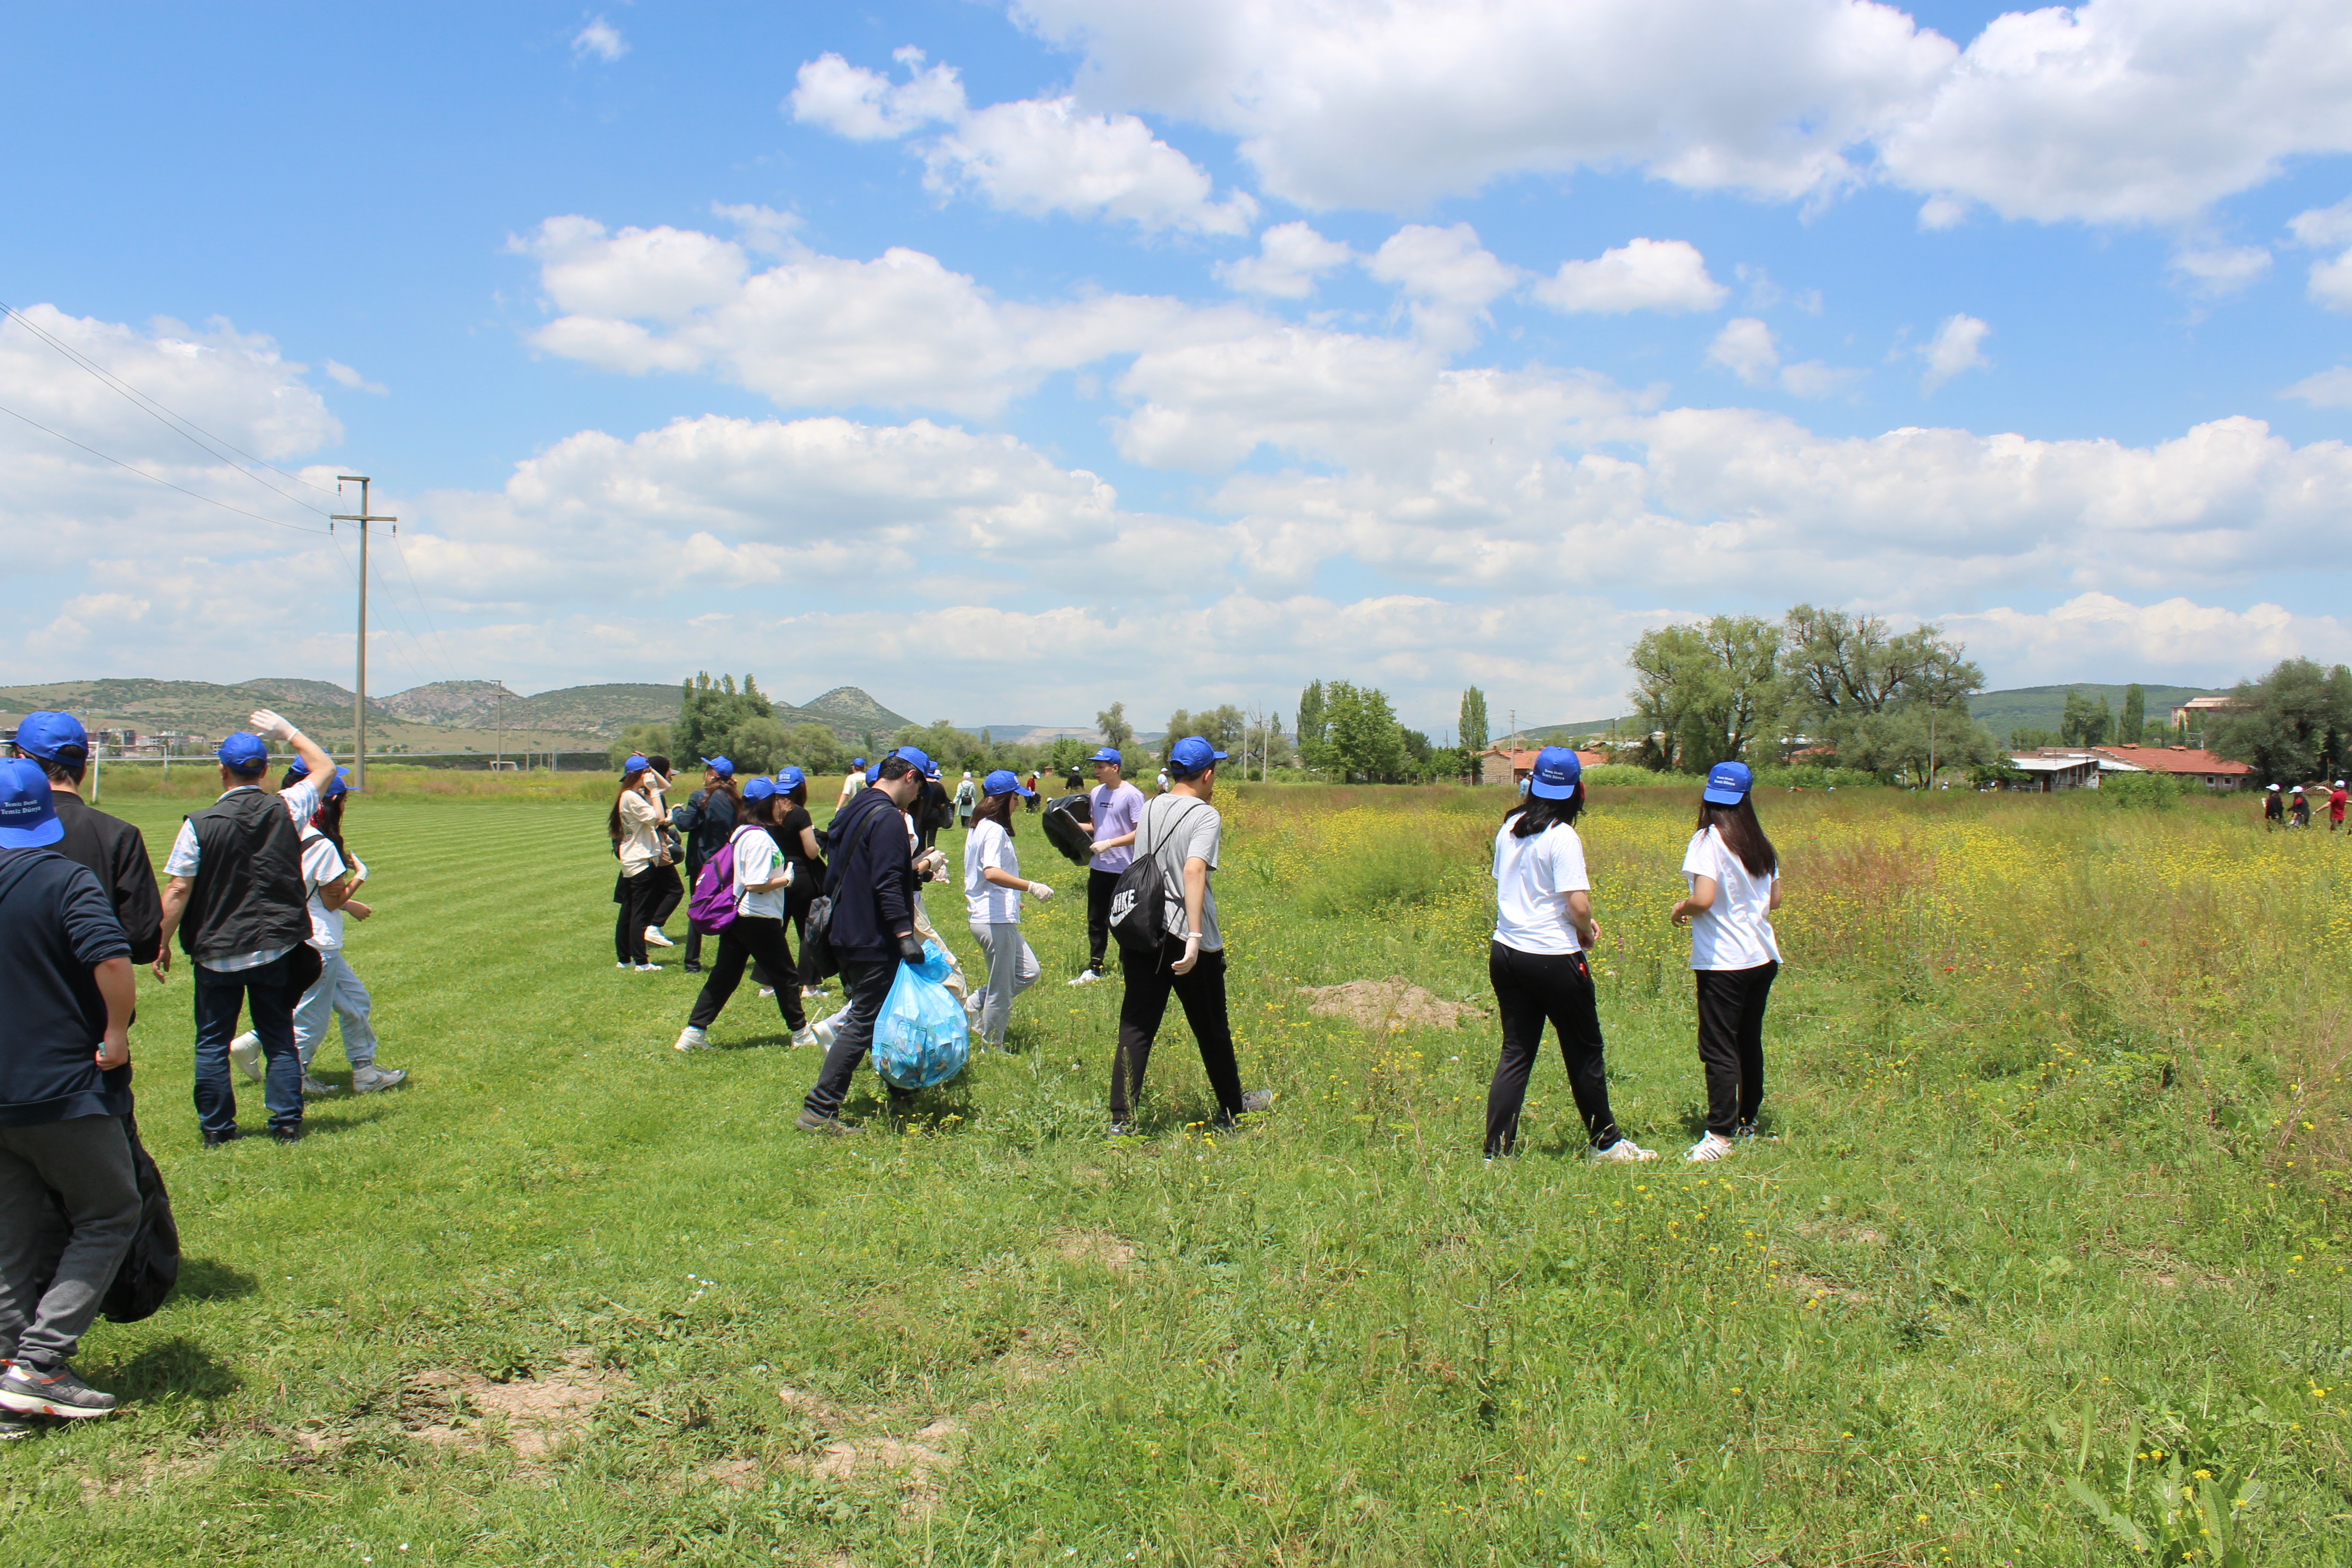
215,1140
290,1134
691,967
12,1428
30,1390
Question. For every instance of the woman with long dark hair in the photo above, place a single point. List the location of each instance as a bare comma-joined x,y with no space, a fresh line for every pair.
796,833
1537,964
993,886
1735,885
634,825
760,875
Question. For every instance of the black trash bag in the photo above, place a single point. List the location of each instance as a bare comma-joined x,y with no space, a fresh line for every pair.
152,1267
1069,826
817,962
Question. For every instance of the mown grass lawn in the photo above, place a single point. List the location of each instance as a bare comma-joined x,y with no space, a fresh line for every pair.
2057,1203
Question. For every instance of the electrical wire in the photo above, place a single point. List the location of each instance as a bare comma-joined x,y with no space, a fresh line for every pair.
422,607
274,523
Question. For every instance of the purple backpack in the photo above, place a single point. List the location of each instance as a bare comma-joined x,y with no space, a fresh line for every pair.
712,907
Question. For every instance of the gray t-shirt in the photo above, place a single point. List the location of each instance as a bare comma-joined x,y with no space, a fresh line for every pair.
1177,828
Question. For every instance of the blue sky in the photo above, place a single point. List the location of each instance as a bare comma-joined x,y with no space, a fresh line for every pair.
747,338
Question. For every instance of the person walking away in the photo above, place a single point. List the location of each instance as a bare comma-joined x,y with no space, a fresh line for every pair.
2299,813
1115,806
710,815
112,849
1031,794
1182,828
2273,808
669,891
796,833
1734,875
65,991
332,876
1536,963
634,825
2335,807
992,887
854,780
1074,782
235,872
872,882
967,801
762,874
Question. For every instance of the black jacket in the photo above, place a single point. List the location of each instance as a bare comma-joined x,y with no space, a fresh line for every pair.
115,854
872,878
55,925
248,893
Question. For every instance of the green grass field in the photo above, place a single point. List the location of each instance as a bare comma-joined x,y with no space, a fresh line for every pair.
2048,1248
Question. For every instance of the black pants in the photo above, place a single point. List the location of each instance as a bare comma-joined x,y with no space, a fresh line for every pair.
1731,1042
1098,887
669,893
750,937
808,886
1202,992
636,896
1530,987
865,984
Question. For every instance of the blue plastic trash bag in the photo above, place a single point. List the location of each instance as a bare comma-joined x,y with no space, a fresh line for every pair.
921,1036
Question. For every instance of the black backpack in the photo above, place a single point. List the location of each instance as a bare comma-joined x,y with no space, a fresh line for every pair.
151,1267
1140,898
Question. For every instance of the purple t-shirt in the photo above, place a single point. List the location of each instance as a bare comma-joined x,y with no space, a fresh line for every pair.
1117,811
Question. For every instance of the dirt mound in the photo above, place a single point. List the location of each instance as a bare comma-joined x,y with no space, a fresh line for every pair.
1391,1006
1096,1246
535,1414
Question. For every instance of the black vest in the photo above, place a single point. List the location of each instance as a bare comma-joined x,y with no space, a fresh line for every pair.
248,891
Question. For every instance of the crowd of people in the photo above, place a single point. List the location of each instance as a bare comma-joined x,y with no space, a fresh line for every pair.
258,886
2291,807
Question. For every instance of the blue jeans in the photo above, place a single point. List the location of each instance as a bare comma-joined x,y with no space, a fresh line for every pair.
221,995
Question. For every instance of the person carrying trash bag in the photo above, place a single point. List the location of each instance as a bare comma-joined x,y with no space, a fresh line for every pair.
741,896
992,887
875,891
921,1038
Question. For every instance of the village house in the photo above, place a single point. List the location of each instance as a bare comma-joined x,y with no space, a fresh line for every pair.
2185,763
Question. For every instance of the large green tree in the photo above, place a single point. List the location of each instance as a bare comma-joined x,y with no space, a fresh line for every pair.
1222,726
1116,731
1470,731
1363,739
2291,725
1708,692
1852,678
717,719
2132,729
1312,727
2084,722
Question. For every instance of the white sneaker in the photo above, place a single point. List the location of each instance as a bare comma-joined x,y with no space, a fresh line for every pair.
1624,1149
1086,977
648,968
805,1035
691,1040
766,992
312,1088
654,938
814,993
1710,1148
246,1052
372,1078
821,1032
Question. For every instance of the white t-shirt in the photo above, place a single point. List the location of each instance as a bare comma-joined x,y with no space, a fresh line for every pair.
984,900
756,860
1736,931
1533,877
301,804
320,868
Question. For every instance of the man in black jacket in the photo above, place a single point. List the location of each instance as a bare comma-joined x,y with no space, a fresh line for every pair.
65,987
874,887
237,876
114,851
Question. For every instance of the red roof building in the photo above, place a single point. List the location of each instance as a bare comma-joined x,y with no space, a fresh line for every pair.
1523,764
2183,762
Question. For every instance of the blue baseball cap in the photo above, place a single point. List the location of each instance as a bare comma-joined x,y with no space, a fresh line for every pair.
720,765
1193,753
338,783
1005,781
759,789
635,762
914,758
44,734
1108,754
873,772
1557,772
858,761
791,779
243,753
28,818
1727,784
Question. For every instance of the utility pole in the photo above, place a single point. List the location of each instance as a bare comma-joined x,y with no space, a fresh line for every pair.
503,722
359,706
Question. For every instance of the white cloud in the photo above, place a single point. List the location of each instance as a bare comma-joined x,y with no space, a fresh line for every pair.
1642,275
1447,278
600,39
2097,637
2331,282
344,376
2114,111
2221,270
1813,378
1746,348
2320,228
2326,389
1034,156
1291,257
1956,346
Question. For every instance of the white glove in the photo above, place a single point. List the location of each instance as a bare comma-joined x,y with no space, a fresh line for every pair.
788,873
1192,955
1039,891
1100,849
269,726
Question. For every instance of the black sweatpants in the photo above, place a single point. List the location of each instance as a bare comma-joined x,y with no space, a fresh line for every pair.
636,896
865,985
1150,981
808,886
1530,987
1098,889
759,937
669,893
1731,1042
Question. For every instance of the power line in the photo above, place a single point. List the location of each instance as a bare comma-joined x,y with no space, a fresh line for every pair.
448,668
167,484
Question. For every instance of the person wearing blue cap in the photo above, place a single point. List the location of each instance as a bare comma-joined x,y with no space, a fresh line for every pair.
114,851
1114,807
759,874
1536,961
1182,828
708,820
236,873
856,779
65,1091
634,826
796,833
992,887
332,876
1734,875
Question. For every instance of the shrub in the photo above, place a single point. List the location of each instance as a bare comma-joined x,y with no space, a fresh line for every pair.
2141,791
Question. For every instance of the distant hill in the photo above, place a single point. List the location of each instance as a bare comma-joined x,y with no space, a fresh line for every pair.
851,713
1571,730
2040,707
198,705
